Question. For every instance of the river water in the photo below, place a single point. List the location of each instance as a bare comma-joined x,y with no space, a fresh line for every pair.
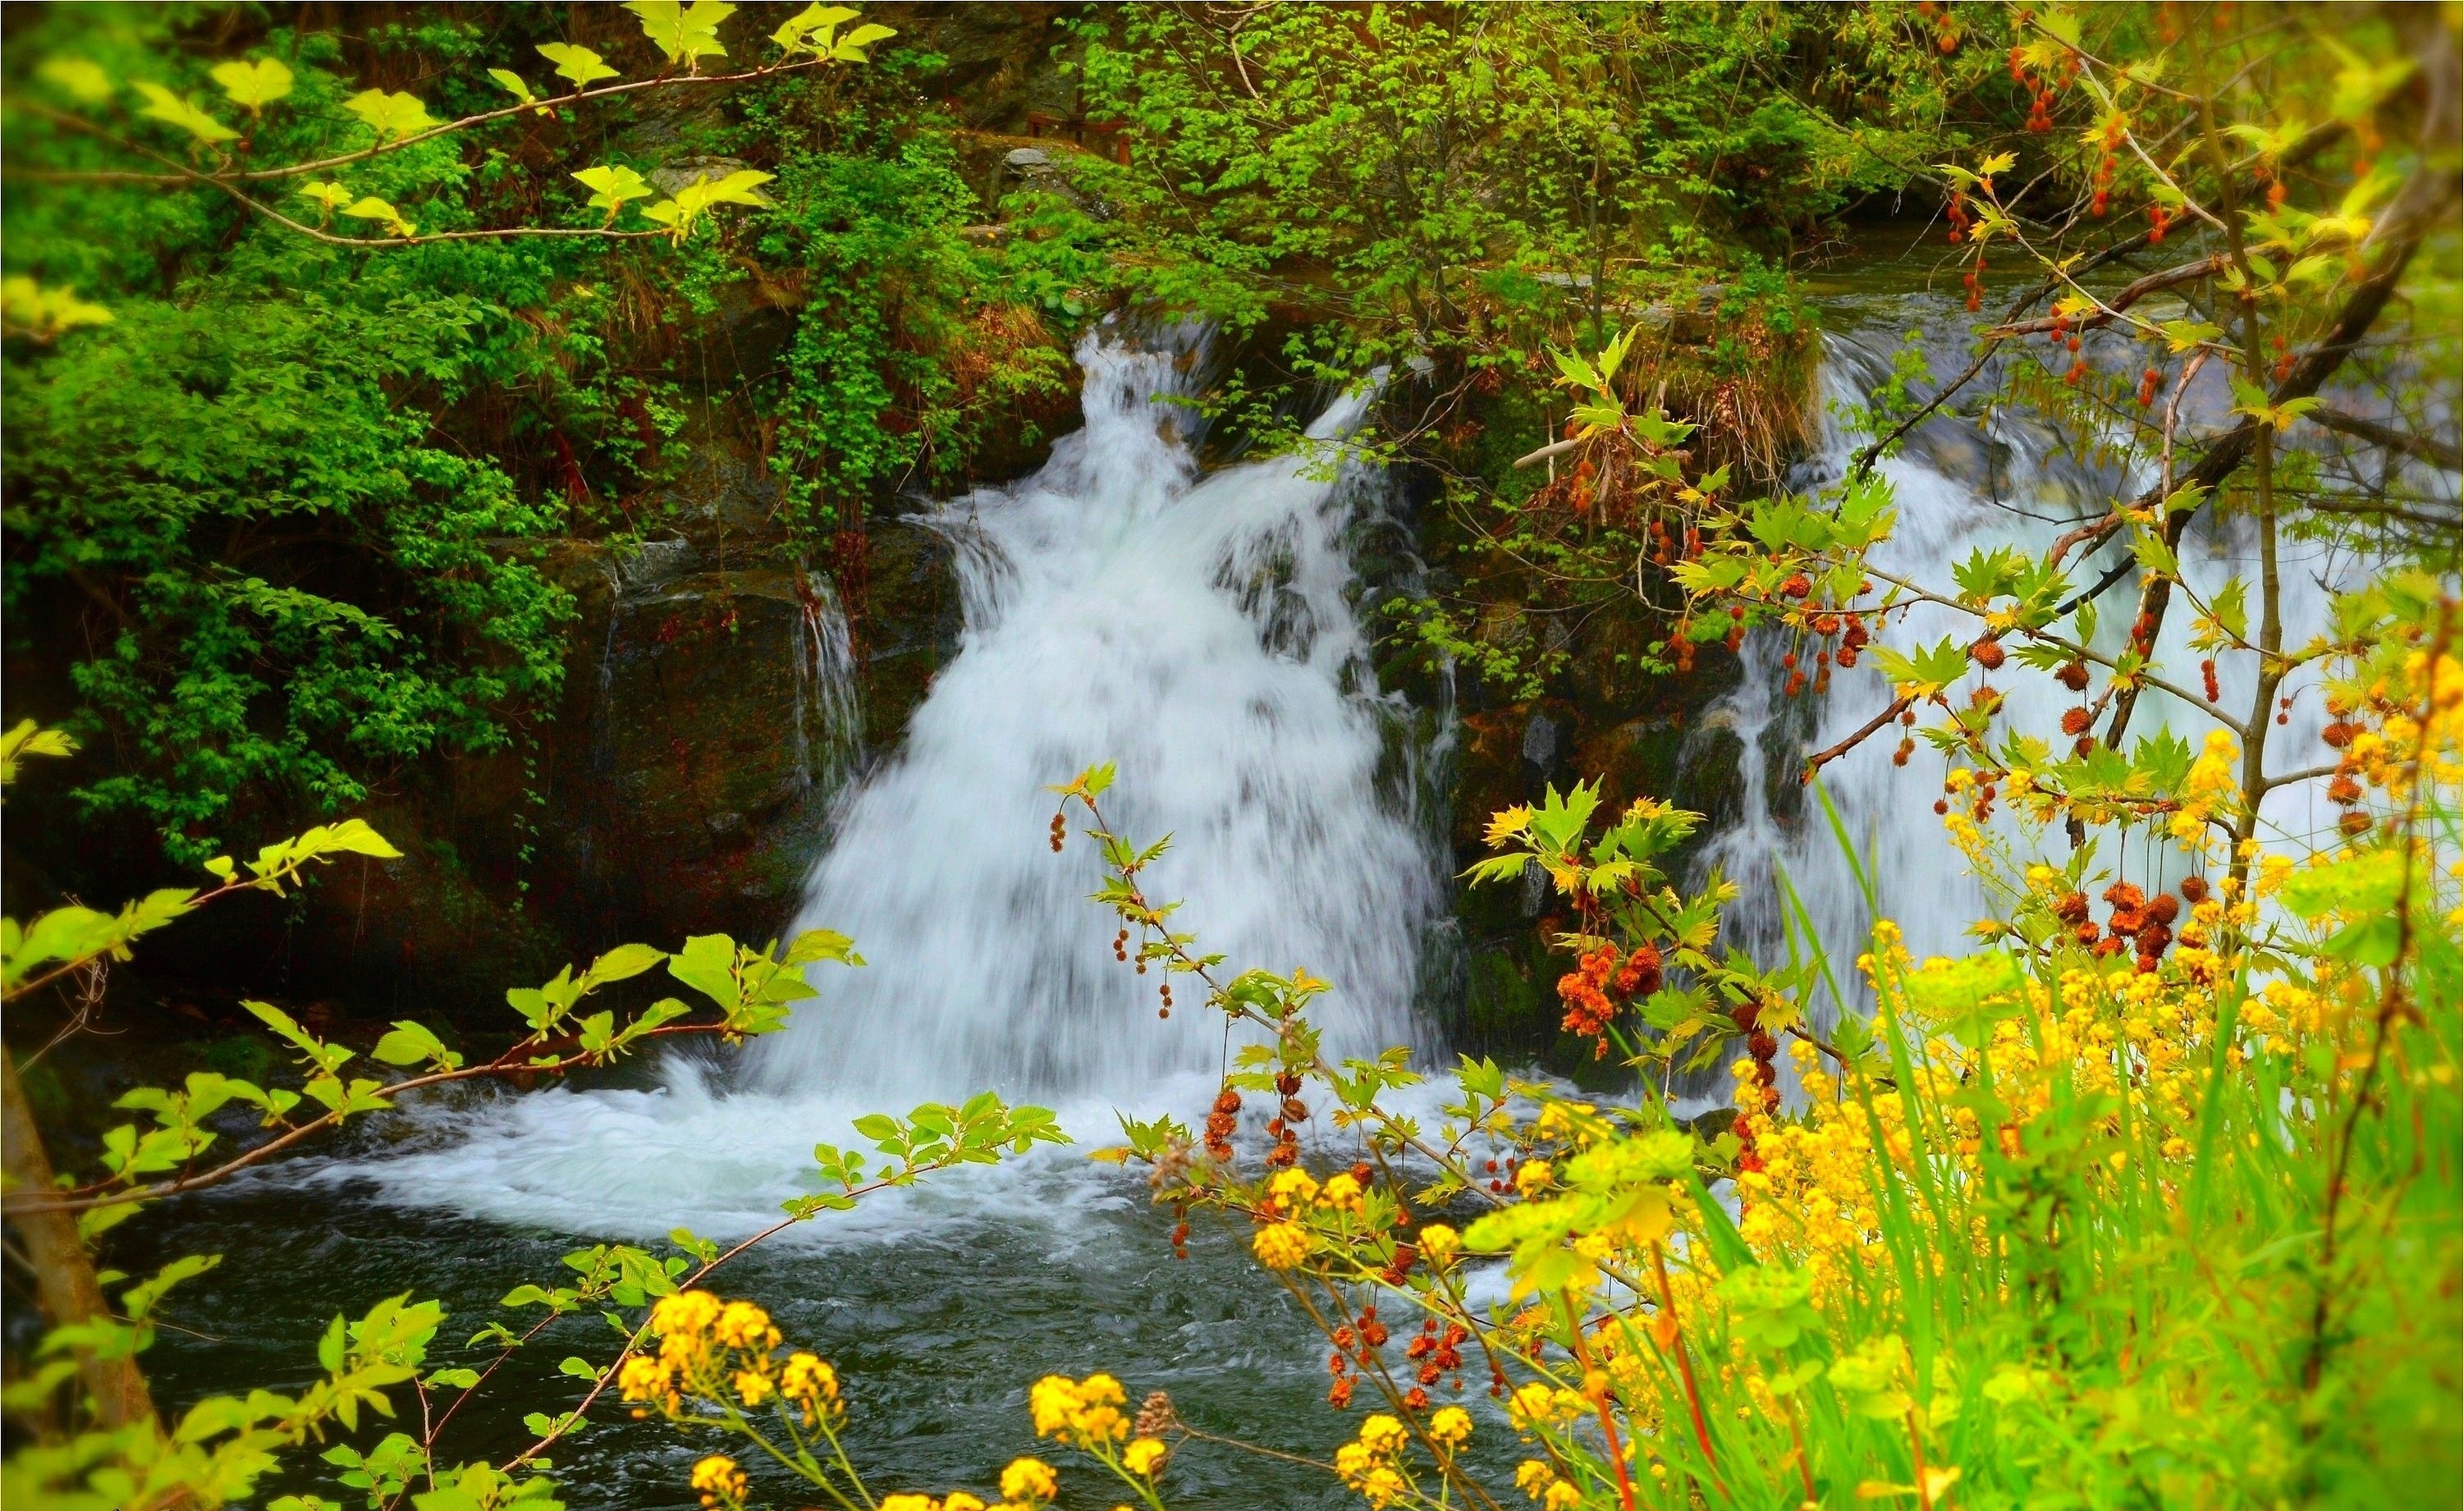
1197,629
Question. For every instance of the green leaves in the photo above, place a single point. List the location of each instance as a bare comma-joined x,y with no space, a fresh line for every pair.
285,859
687,34
393,116
28,739
370,208
40,315
411,1043
1617,1189
83,78
1925,674
936,1136
1770,1305
253,86
812,31
66,937
578,66
683,213
161,104
519,88
1869,1379
612,187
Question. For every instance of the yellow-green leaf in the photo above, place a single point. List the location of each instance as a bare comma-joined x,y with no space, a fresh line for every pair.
79,76
253,86
372,207
161,104
686,33
30,738
515,86
395,115
29,309
577,65
332,196
612,187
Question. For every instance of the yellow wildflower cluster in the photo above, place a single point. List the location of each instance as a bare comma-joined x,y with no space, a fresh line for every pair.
1371,1463
724,1352
1536,1406
1029,1483
1539,1480
2213,790
1281,1245
1084,1414
719,1483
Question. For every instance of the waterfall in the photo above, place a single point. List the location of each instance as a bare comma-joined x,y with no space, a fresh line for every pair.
1196,632
830,702
1196,629
1976,478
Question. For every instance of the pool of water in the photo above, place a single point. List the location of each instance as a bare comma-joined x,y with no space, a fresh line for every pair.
938,1307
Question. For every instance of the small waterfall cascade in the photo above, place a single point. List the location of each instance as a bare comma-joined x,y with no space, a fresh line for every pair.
1196,632
829,697
1966,481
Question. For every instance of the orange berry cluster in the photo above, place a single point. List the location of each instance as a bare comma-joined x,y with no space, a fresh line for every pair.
1286,1151
2138,920
1354,1343
1586,990
1439,1354
1220,1124
1764,1047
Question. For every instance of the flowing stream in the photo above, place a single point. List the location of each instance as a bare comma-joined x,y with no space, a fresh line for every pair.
1971,478
1197,629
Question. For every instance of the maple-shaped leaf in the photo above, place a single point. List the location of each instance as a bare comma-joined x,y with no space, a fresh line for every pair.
161,104
372,207
577,65
686,33
519,88
253,86
612,187
395,115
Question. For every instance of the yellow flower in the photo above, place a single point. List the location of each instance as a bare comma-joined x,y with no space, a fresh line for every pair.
754,1386
718,1479
1536,1405
809,1383
1082,1411
1352,1460
1294,1188
1450,1427
1382,1436
962,1501
741,1325
1383,1486
1534,1176
642,1379
1439,1244
1281,1245
910,1501
1145,1457
1341,1191
687,1312
1534,1477
1560,1495
1030,1480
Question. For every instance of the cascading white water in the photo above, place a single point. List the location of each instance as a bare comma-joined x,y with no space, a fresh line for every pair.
1966,482
1119,607
1194,630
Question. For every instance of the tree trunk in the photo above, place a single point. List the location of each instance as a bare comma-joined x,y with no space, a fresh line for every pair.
64,1281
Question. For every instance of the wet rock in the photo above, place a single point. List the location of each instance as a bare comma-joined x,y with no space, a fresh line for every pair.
689,776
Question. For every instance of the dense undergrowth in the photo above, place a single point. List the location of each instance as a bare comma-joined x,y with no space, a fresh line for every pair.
2149,1198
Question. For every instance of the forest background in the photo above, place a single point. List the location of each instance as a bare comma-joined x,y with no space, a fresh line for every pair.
328,500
